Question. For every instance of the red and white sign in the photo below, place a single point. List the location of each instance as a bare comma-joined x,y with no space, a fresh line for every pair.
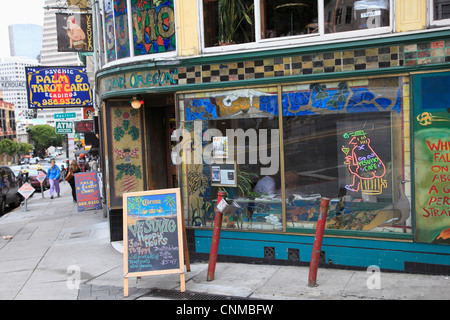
41,177
26,190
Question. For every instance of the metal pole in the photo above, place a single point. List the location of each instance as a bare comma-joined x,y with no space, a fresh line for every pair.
26,204
320,229
42,191
215,239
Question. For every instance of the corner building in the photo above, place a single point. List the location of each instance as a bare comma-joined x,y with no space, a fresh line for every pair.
286,103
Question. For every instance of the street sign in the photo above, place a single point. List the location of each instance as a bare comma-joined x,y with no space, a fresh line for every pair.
65,115
41,177
63,127
26,190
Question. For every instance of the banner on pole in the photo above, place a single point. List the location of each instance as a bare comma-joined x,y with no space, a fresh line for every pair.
74,32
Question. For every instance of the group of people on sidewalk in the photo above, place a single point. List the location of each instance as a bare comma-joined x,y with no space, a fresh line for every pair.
54,174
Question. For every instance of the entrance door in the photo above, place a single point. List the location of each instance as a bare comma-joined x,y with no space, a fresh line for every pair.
160,122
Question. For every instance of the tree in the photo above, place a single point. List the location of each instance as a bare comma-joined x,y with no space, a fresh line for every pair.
23,148
170,201
9,147
13,148
44,136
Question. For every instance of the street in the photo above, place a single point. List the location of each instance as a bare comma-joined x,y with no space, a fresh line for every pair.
53,252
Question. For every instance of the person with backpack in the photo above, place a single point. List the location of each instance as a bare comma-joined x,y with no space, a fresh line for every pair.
53,175
83,164
70,177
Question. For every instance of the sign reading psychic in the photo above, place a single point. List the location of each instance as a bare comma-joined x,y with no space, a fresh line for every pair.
58,87
88,191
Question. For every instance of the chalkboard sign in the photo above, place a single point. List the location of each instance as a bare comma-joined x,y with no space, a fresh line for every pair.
87,191
153,238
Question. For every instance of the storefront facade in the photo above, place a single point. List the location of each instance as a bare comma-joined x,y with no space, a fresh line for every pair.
361,120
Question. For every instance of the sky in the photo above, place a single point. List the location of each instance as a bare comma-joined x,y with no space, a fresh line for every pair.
18,12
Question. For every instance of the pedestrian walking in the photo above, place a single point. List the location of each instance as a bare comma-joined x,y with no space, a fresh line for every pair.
53,175
70,177
94,164
83,164
63,172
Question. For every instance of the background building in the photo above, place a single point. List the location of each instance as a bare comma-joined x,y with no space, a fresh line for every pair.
25,40
13,86
7,121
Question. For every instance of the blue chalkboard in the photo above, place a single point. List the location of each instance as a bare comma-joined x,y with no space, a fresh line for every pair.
152,230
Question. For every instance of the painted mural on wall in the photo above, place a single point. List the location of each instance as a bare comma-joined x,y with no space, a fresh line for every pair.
432,157
126,152
153,26
341,98
110,42
121,25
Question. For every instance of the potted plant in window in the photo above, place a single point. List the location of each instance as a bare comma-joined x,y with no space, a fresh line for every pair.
232,13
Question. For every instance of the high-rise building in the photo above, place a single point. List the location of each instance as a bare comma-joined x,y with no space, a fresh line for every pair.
25,40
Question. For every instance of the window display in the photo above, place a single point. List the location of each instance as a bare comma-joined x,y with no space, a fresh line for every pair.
342,140
441,9
288,18
348,15
237,133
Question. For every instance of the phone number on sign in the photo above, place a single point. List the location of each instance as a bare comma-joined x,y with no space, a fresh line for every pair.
88,203
62,101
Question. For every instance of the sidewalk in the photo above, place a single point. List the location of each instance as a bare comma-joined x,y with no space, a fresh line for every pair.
53,246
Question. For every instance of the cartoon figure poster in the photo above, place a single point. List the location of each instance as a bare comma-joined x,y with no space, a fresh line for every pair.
364,148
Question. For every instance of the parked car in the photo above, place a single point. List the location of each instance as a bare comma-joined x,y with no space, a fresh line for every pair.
17,170
32,174
9,185
34,160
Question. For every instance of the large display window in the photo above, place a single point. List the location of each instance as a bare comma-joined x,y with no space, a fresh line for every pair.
252,23
231,143
344,140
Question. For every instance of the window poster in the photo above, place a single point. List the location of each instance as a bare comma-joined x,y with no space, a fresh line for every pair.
220,147
431,159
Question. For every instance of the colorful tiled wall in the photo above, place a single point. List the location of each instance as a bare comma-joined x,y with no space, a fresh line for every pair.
329,62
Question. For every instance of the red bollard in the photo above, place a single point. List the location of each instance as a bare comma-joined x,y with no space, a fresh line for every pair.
215,239
320,229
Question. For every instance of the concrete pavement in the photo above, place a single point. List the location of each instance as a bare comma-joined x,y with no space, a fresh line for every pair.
54,252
